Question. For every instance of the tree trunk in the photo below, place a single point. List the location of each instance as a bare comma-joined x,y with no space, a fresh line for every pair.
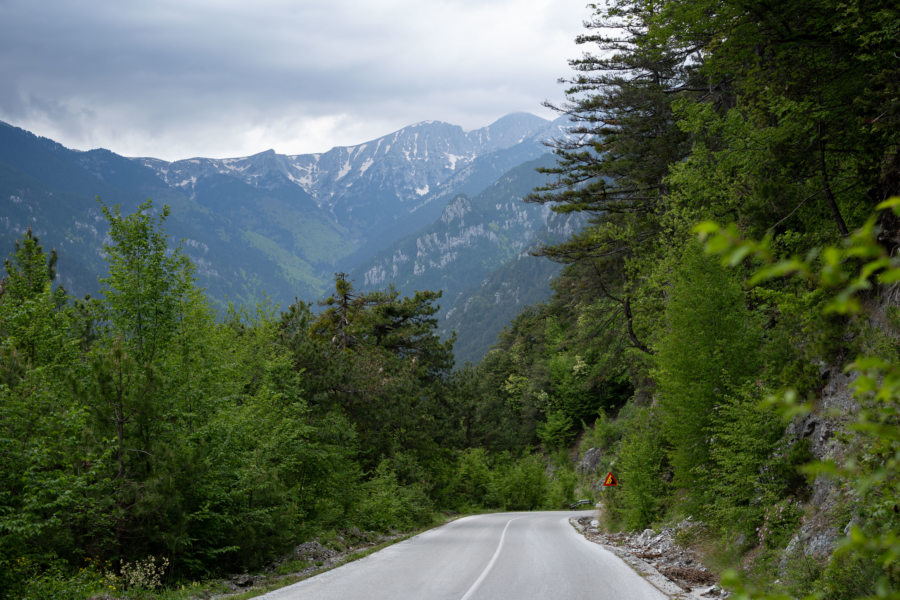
829,195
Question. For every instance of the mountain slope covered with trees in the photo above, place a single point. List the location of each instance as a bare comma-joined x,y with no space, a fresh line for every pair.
723,333
141,434
780,121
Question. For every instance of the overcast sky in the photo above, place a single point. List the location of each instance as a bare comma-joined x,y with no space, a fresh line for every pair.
181,78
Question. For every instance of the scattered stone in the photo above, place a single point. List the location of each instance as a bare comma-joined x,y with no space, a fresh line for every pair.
313,552
674,570
714,592
693,576
320,556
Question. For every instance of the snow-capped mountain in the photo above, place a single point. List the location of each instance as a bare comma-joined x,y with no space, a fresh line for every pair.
428,153
373,187
282,225
472,238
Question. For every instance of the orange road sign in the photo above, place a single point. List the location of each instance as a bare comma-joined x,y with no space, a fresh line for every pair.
610,480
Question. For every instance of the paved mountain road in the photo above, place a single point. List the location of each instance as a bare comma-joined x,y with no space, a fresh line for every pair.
503,556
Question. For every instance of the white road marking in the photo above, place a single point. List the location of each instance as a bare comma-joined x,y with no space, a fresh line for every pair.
490,564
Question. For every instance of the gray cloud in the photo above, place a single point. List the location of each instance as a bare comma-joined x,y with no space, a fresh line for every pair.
224,78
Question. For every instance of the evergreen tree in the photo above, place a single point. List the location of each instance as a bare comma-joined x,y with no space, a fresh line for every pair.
709,346
614,161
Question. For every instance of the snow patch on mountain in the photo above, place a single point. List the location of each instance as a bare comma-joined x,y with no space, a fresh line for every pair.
345,169
373,187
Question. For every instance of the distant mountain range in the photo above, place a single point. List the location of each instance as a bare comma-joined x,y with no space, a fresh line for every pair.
427,207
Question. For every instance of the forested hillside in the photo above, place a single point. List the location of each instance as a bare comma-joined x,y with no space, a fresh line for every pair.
771,132
723,334
278,226
146,442
487,236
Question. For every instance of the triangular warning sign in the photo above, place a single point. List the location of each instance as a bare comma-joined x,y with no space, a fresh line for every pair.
610,480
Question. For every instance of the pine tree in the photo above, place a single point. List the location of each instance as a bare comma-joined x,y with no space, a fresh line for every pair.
614,160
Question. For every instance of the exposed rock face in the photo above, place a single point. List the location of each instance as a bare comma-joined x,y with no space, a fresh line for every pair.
835,409
819,532
590,461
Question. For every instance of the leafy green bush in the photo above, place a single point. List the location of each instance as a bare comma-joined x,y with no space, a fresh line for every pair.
561,488
520,484
642,463
57,582
473,479
557,431
385,504
745,474
779,522
710,345
604,433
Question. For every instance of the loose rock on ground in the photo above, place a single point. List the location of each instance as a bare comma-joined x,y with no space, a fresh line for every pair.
674,570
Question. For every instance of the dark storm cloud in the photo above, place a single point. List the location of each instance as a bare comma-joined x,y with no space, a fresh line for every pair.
223,78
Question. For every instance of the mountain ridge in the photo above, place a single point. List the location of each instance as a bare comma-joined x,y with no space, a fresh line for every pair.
252,225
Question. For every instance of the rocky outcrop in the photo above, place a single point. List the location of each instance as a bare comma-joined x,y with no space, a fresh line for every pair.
819,530
836,407
590,461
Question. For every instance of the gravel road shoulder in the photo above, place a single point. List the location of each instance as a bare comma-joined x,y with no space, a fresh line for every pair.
674,570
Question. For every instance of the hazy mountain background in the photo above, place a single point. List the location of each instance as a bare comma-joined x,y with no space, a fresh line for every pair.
430,206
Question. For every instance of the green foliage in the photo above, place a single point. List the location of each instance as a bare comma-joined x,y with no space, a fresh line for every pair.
556,432
708,348
377,358
138,425
746,474
640,471
603,434
867,556
473,478
385,504
33,318
520,484
779,522
562,486
777,119
145,285
94,578
853,576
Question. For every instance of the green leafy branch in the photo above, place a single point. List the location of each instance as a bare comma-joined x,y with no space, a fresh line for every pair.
857,264
849,268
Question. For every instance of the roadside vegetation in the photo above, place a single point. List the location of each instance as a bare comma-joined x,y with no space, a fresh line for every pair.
737,162
149,443
731,308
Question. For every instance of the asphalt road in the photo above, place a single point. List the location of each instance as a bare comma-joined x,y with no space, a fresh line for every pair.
503,556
